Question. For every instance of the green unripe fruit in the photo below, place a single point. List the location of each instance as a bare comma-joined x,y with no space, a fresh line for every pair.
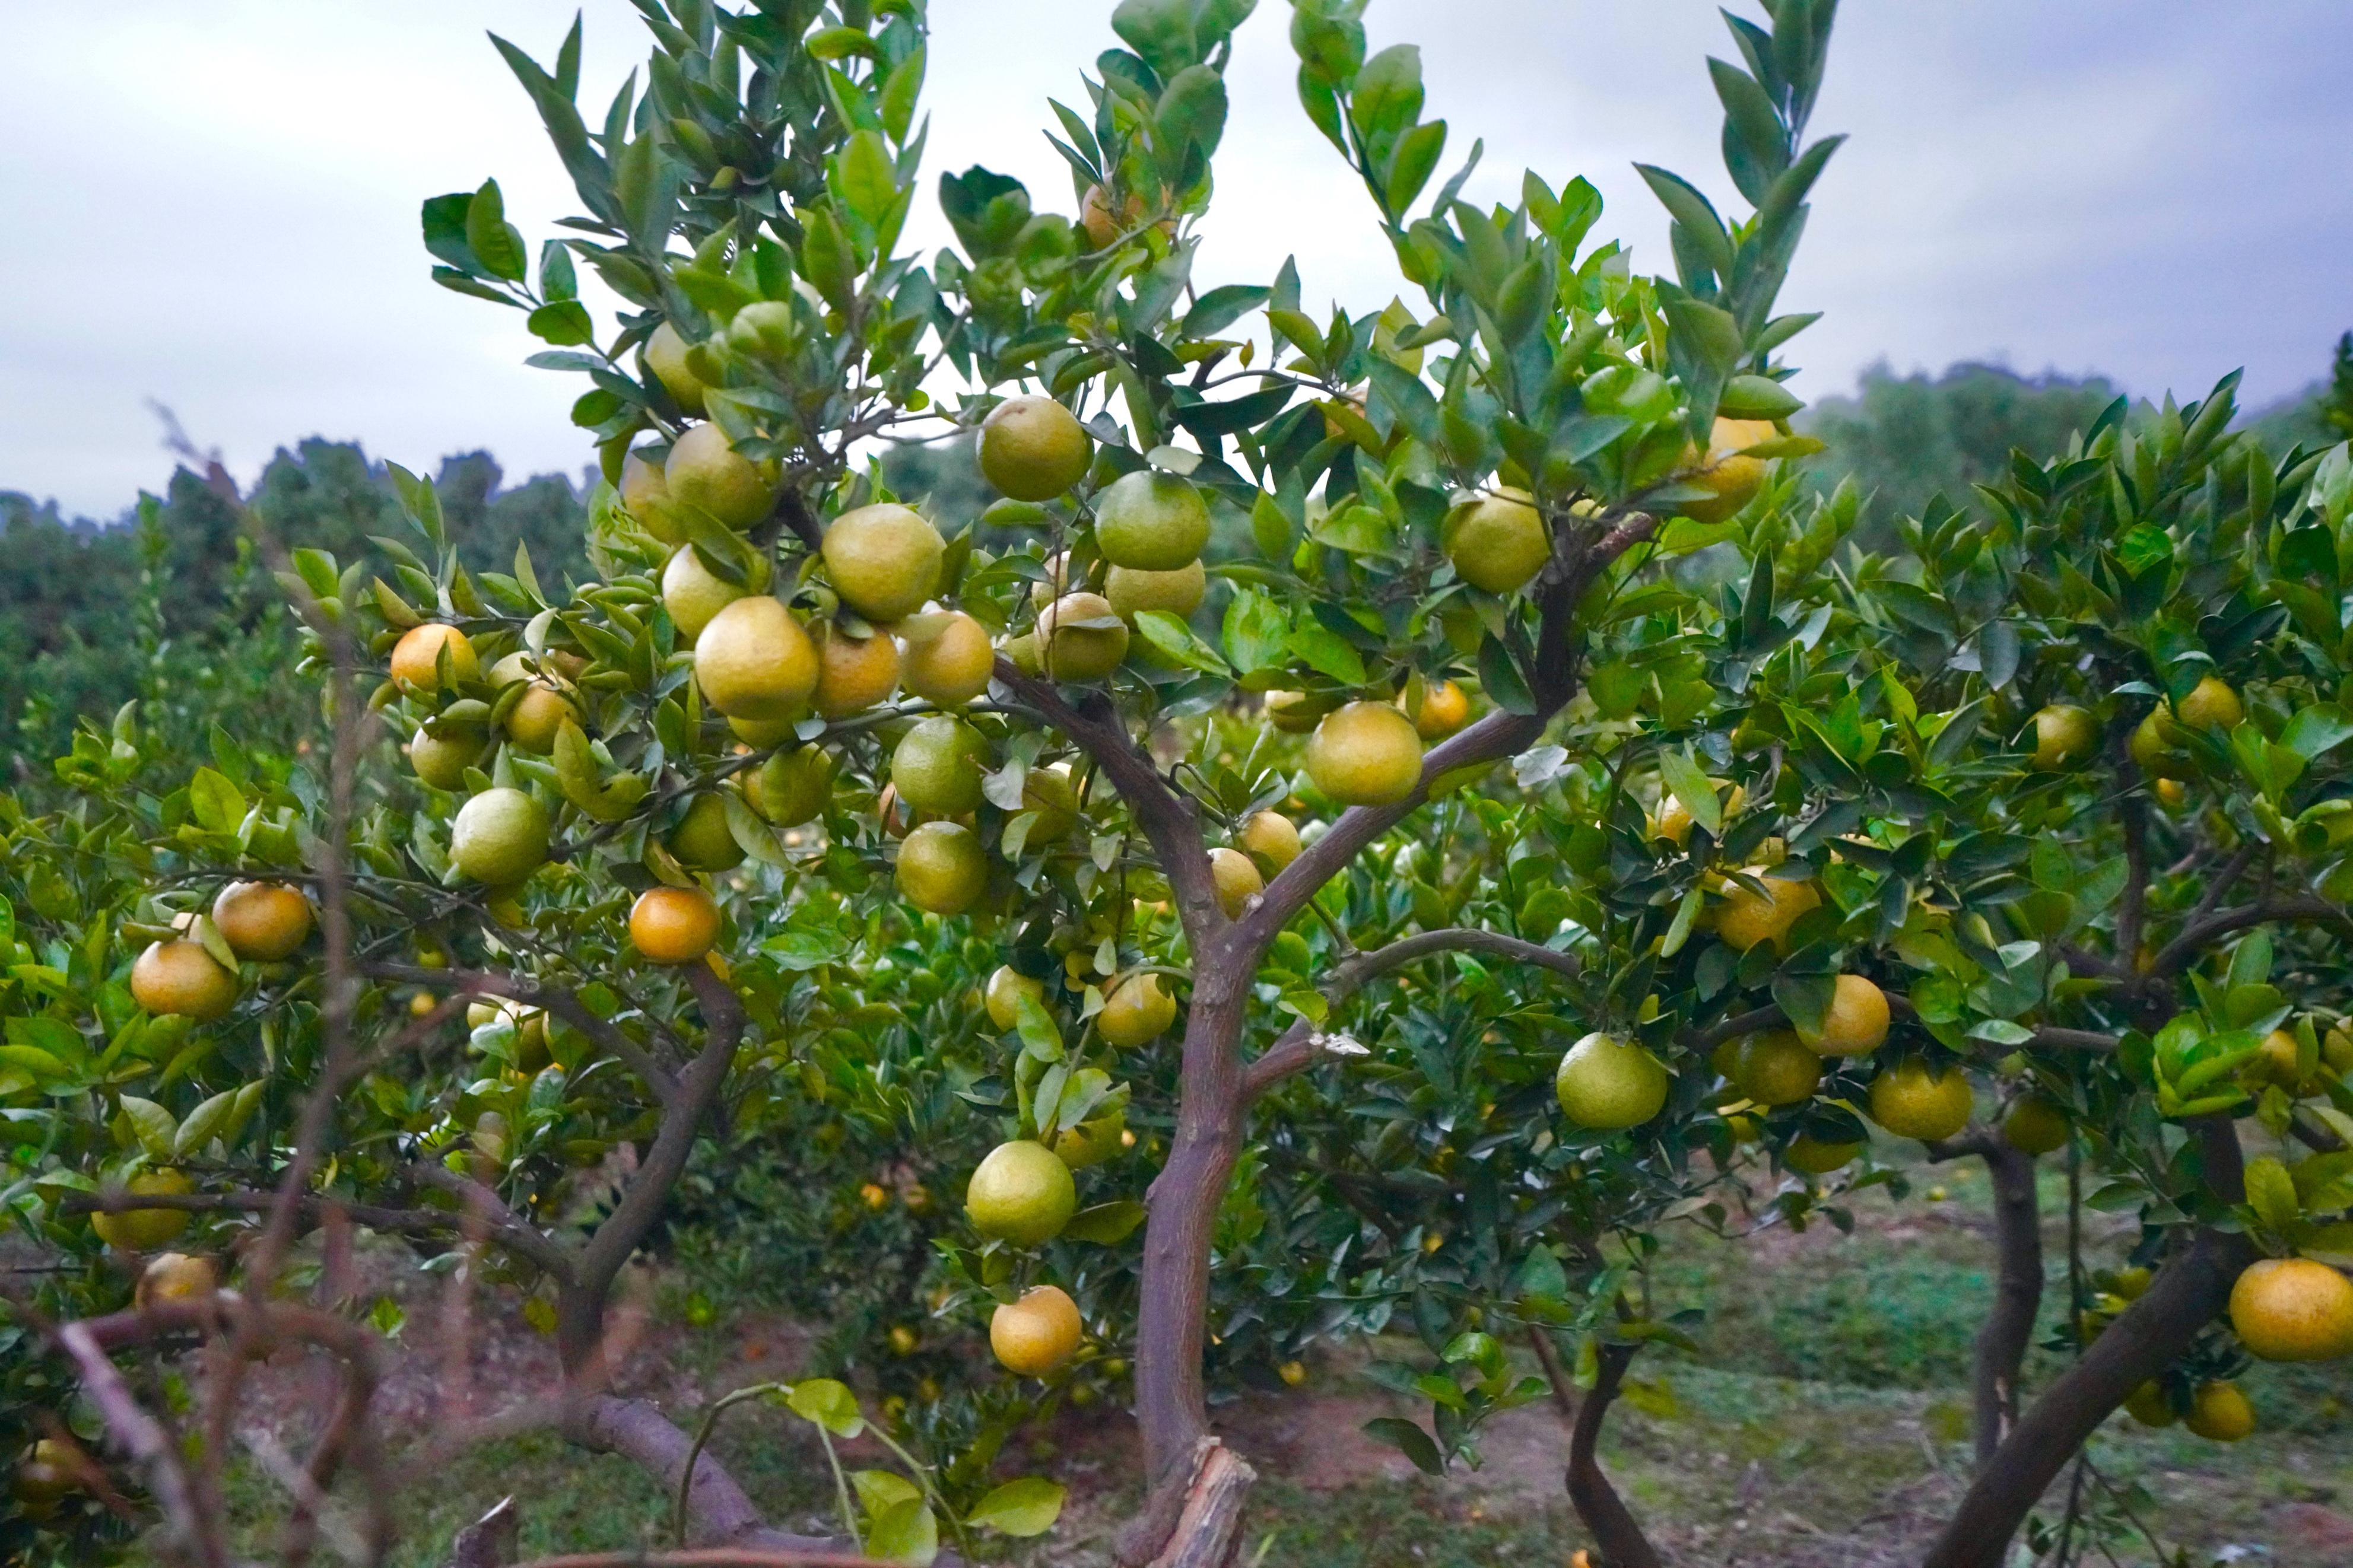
885,560
1022,1192
1152,520
1608,1081
705,470
943,868
665,357
1132,590
792,788
936,766
500,837
1496,542
702,841
1032,449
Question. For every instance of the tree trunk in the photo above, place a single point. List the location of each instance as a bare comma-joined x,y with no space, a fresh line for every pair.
1606,1517
2008,1329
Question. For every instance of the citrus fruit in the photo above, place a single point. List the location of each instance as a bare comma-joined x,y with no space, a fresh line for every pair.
673,925
1021,1193
1730,479
1055,582
665,357
948,662
45,1478
1856,1022
791,787
2293,1309
853,674
943,868
1152,521
702,841
1033,448
707,472
1365,754
1035,1336
2035,1125
2210,705
1808,1155
2063,736
1237,880
1132,590
2278,1060
1747,917
175,1277
1102,226
1293,713
1002,996
2153,748
145,1230
884,559
936,766
1271,838
2150,1405
1610,1082
693,593
532,721
1049,793
441,760
645,491
2337,1050
1775,1068
500,836
2219,1413
1497,542
754,660
416,657
1444,709
1082,639
1674,821
2170,794
1092,1141
182,977
1912,1099
262,922
1137,1011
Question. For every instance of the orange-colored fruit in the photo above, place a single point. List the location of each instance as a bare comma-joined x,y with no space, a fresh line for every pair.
416,658
948,662
545,703
1444,710
673,925
1856,1022
2293,1309
175,1277
754,660
853,674
1237,879
1269,838
181,977
885,560
1747,917
1732,480
1137,1011
2219,1413
1365,753
262,922
1036,1336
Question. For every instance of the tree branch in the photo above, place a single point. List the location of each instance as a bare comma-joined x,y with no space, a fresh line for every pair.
2008,1329
555,999
2184,950
718,1512
1605,1516
313,1210
1300,1045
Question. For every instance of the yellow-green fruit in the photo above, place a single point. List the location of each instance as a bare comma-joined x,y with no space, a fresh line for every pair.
1913,1100
175,1277
693,593
2337,1050
943,868
145,1230
2219,1413
1497,543
416,658
2035,1125
2149,1405
1022,653
1365,754
1271,838
936,766
500,837
1238,880
1037,1335
2210,705
1809,1156
645,491
1747,917
853,674
1731,481
665,357
1022,1192
1049,793
792,788
2293,1309
262,922
2063,736
1137,1011
1083,638
533,722
702,841
1856,1022
885,560
45,1478
1775,1068
1151,521
1092,1142
1674,820
673,925
1292,712
182,977
1057,581
1033,448
705,471
950,662
441,760
1004,991
2152,748
754,662
1610,1082
1132,590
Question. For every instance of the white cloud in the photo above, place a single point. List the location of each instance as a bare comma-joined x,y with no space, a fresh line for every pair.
216,206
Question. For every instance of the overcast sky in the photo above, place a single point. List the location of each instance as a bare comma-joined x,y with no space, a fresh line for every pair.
213,202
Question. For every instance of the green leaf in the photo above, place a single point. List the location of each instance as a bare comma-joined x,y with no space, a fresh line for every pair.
1324,650
2271,1193
148,1124
564,322
1409,1439
216,804
1168,633
1694,213
827,1404
868,180
879,1490
496,243
905,1532
1416,159
1025,1506
1690,784
1105,1224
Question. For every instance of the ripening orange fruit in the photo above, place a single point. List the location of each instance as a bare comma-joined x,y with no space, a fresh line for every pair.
416,657
262,922
673,925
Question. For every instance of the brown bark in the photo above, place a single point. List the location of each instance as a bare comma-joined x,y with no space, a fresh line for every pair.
2009,1330
1603,1513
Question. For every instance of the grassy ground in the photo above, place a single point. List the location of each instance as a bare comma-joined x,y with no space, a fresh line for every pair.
1745,1455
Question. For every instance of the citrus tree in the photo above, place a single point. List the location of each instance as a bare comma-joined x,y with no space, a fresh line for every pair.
1087,835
